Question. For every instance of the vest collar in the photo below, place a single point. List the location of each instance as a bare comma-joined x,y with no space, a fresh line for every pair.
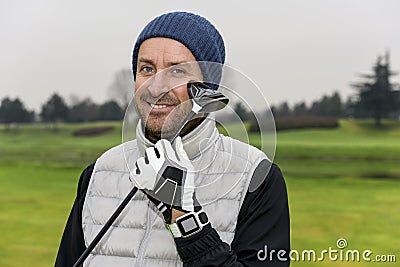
195,142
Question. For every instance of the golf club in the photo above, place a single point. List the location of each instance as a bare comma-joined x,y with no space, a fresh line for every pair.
204,100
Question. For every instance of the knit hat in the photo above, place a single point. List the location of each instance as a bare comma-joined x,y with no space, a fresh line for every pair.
193,31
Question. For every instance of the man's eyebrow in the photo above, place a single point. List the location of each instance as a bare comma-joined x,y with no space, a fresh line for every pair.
145,60
169,64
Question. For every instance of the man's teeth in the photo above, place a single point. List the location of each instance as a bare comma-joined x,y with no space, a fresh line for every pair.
157,106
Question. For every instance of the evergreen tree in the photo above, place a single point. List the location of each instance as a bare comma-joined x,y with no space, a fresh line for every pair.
54,109
110,111
242,111
14,111
377,96
84,111
300,109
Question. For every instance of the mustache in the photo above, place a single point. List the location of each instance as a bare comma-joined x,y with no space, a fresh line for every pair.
165,98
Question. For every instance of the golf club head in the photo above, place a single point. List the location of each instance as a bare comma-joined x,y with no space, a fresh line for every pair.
209,100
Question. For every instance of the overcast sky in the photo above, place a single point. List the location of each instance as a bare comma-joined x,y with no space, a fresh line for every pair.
293,50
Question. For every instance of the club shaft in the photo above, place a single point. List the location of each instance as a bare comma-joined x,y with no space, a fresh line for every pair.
105,228
188,118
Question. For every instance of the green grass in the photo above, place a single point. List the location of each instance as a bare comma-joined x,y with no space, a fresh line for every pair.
44,144
363,211
353,139
34,204
352,150
342,182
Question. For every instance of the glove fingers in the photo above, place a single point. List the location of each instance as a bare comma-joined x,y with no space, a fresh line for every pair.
137,169
151,154
165,147
144,175
141,163
155,161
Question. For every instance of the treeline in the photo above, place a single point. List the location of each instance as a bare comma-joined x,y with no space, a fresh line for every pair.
322,113
327,106
55,109
376,96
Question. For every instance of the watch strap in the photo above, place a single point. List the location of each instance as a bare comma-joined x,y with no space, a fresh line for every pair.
201,220
174,230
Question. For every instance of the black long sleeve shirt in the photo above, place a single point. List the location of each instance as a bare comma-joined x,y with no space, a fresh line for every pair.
262,226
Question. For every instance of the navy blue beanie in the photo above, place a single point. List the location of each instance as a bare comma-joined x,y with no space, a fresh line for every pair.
193,31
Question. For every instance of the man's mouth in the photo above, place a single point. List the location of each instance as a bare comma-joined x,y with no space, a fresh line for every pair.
155,106
161,107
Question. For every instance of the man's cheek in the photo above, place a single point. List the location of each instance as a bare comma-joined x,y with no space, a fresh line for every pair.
141,108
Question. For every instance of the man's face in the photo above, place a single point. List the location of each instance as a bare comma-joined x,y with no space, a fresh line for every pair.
161,96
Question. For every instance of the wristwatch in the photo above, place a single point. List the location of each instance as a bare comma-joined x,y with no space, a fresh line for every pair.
188,224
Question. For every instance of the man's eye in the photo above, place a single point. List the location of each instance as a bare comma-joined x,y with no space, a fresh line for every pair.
146,69
178,71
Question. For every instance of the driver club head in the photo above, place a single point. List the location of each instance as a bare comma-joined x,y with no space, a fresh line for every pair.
205,98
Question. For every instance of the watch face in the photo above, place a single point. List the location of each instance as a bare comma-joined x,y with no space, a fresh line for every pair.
188,225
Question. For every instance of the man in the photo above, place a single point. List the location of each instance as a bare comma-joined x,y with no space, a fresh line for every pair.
206,199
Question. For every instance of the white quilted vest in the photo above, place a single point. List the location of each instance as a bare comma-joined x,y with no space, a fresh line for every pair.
139,237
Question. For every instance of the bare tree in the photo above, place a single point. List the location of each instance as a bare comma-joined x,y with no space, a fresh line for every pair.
73,100
121,89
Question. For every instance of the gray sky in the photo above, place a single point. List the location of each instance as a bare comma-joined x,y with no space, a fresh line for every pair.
293,50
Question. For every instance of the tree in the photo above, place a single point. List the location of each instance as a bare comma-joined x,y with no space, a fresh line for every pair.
14,111
348,108
377,96
84,111
121,89
242,111
328,106
110,111
54,110
300,109
282,110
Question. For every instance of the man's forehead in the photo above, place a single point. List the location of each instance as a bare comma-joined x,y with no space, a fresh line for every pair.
169,51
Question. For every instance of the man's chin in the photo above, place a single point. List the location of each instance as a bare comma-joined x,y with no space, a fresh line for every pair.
165,127
155,134
160,130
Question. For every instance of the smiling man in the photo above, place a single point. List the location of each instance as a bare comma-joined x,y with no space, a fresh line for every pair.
165,95
205,199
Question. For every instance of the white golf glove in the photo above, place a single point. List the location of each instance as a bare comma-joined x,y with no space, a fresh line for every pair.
166,175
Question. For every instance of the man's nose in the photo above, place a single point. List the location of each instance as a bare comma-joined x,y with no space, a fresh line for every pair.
158,85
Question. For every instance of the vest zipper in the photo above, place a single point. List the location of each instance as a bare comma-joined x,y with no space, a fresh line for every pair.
145,240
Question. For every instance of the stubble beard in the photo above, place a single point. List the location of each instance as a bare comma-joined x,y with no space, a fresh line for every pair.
161,125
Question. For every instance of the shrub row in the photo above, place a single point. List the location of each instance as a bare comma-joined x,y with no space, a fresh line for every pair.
299,122
93,131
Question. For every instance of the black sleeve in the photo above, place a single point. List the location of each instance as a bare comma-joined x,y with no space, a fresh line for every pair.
263,225
72,243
